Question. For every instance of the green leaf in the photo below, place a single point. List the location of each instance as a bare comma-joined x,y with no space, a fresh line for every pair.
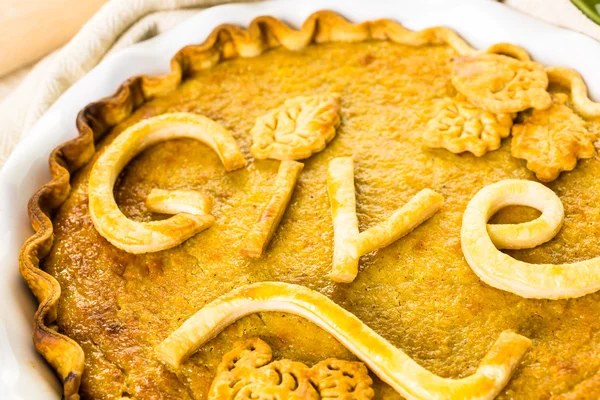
591,8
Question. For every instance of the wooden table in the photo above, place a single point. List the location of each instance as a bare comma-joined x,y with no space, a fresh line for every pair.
30,29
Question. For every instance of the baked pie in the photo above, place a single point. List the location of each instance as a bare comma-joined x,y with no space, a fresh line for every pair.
345,211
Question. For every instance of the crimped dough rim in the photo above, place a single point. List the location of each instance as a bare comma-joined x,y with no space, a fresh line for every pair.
225,42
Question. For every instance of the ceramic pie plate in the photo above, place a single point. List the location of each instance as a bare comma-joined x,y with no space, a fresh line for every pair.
23,374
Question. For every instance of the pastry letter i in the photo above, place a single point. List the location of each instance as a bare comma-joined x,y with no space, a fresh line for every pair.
261,233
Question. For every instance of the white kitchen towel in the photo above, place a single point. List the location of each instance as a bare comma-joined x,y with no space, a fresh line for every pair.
121,23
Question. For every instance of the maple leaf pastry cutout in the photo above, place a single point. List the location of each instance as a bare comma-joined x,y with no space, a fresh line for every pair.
501,84
552,140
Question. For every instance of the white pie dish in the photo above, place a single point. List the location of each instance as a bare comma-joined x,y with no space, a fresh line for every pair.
23,374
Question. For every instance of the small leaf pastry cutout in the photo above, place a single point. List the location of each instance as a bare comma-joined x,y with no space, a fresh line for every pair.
389,363
190,209
501,84
480,243
552,140
260,234
459,126
247,372
349,244
299,128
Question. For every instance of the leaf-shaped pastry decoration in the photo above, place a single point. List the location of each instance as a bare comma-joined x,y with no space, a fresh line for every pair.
501,84
552,140
246,372
299,128
459,126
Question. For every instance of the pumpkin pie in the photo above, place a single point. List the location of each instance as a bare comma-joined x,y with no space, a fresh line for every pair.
342,210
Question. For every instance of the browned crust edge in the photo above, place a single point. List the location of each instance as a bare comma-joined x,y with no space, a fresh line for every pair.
95,120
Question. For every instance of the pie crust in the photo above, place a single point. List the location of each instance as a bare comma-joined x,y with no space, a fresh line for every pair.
229,42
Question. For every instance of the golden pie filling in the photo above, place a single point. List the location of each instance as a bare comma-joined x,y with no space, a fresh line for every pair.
398,120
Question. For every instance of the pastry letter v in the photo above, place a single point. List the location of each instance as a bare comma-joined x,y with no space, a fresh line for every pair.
349,244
